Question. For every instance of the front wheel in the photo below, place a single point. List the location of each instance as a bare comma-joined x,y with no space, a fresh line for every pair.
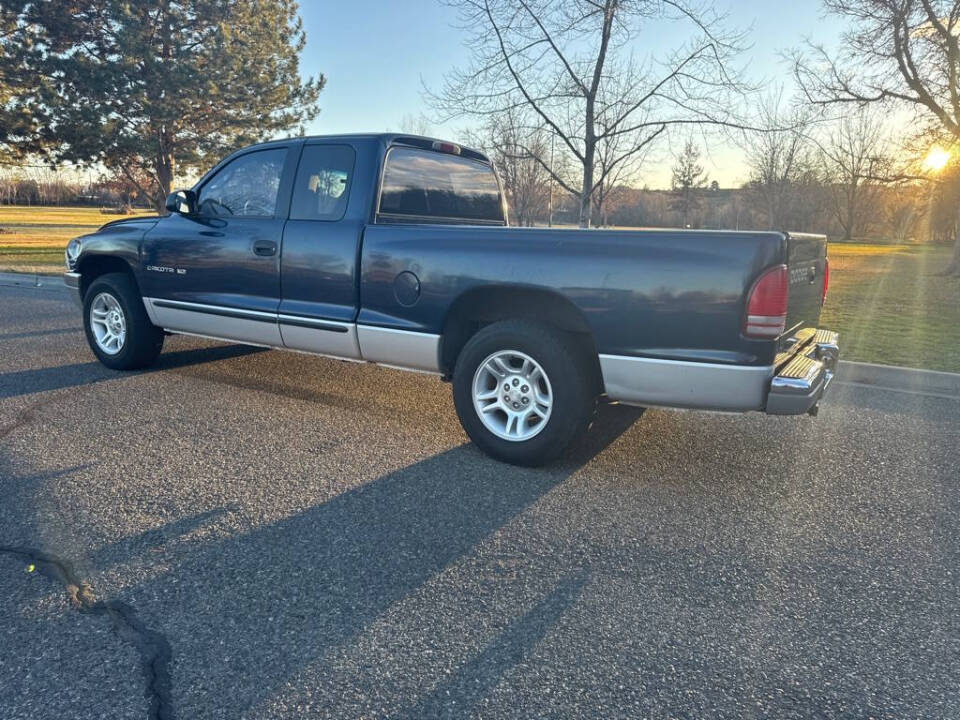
522,391
116,324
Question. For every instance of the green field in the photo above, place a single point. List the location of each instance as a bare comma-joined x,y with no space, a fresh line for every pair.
891,306
888,302
32,239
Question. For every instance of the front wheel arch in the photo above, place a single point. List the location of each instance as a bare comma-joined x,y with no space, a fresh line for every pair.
95,266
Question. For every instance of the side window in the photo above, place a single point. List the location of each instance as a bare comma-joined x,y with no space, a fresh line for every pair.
247,186
322,187
425,184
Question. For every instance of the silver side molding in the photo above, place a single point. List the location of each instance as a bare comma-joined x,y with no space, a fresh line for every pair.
321,337
678,383
249,326
148,306
404,349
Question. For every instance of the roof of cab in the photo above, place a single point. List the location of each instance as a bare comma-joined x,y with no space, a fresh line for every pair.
387,138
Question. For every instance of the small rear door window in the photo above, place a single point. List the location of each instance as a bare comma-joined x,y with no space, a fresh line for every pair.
421,185
322,187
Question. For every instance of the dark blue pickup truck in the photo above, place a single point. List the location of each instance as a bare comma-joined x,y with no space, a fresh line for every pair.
395,250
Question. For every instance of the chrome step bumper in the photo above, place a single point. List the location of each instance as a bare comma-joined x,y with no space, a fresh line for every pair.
800,384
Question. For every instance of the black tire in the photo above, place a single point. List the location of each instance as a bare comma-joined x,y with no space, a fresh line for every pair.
570,375
143,340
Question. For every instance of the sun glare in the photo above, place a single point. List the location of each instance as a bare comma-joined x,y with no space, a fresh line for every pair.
936,159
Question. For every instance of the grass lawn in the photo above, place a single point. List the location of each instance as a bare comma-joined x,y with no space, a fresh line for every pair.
32,239
891,306
886,301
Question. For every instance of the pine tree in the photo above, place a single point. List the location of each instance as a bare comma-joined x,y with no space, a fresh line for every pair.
153,87
688,178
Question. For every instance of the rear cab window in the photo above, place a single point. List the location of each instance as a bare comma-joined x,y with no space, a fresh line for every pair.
428,186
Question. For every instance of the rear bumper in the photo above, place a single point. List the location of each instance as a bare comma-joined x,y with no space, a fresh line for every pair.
72,281
801,382
791,386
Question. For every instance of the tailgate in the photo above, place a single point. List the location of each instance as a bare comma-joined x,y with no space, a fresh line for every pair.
806,264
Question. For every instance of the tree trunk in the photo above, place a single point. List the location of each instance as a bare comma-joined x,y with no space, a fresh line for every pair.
954,267
851,211
586,196
164,178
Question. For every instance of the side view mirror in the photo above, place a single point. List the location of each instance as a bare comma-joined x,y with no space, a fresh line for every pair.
183,202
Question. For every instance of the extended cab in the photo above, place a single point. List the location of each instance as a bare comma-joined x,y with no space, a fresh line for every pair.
395,250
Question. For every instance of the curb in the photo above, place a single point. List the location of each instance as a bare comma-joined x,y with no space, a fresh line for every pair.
900,378
32,280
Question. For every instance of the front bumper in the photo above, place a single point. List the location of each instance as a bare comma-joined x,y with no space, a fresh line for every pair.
72,281
805,373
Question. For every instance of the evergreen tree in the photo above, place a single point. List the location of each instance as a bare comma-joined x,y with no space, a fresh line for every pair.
153,87
688,178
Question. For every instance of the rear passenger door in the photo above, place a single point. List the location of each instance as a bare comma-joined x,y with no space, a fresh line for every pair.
319,262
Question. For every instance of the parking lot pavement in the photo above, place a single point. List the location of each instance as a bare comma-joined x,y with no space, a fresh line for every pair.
309,538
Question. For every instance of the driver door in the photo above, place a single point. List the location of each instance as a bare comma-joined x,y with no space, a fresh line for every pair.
216,271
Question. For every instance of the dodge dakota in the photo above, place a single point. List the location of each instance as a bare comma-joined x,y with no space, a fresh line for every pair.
396,250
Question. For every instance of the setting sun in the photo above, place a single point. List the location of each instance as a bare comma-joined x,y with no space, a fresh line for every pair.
936,159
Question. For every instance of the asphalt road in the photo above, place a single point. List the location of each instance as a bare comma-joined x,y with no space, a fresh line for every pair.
254,534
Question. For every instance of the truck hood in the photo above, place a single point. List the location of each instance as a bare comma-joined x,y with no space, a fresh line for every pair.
145,222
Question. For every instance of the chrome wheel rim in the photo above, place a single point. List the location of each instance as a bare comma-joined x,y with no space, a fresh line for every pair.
512,395
108,323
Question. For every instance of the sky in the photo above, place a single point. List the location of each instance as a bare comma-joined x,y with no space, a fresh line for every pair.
377,58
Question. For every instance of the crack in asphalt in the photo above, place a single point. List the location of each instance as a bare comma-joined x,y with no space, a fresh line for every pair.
154,649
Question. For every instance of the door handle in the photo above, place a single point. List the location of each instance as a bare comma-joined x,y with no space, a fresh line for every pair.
264,248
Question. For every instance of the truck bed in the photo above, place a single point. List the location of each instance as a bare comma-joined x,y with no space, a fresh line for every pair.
667,294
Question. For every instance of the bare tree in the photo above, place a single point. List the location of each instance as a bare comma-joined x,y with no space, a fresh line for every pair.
688,178
943,202
519,155
901,211
569,63
853,156
616,166
416,124
899,53
777,156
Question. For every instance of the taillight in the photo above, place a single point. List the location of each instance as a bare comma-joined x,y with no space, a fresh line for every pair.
826,280
767,305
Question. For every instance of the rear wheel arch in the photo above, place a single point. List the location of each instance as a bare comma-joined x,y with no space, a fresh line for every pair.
479,307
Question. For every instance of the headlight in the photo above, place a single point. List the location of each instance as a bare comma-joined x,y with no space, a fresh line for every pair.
72,253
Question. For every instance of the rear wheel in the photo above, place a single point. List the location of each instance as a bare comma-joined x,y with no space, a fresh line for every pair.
522,391
116,324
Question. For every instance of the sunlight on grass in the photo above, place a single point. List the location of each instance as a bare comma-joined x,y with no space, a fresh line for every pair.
893,308
861,249
77,216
